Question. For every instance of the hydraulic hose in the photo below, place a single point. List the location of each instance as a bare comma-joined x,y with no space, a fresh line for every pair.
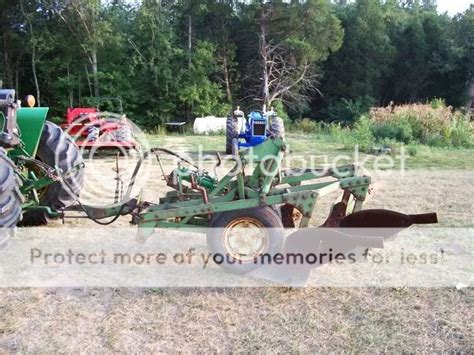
131,183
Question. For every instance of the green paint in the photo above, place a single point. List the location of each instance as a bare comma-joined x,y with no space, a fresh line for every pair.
30,122
186,207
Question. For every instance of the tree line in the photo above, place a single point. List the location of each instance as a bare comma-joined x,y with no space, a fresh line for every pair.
171,60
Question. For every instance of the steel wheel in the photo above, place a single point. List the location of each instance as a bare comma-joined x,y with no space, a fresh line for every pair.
245,239
240,238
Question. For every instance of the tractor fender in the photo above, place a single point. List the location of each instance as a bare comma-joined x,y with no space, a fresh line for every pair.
30,122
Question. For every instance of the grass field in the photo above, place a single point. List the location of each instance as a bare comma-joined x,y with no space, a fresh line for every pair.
303,144
267,319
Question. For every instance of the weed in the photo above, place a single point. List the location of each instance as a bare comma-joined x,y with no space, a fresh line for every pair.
433,124
412,150
361,135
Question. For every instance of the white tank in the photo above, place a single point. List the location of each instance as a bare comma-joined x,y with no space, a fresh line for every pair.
212,124
209,124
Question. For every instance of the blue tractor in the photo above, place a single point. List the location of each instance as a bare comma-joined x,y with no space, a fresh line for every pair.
242,132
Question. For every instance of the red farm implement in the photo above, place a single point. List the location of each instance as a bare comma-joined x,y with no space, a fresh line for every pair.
92,128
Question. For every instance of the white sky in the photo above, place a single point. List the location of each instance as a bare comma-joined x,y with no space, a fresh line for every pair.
453,6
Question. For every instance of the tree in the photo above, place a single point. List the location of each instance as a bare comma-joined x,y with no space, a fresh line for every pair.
292,39
411,72
464,51
11,47
154,65
217,23
197,91
358,68
178,59
33,44
82,17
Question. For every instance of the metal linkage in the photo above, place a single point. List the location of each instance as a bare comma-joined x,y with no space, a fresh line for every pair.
197,195
191,205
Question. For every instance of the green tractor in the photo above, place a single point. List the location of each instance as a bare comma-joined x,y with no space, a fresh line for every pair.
36,157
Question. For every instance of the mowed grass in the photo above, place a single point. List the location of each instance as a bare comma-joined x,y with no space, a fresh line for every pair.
322,145
273,320
282,320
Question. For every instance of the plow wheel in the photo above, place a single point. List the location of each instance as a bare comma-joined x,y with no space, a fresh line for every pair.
10,198
238,239
56,148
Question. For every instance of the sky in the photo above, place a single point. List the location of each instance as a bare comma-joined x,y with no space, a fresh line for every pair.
453,6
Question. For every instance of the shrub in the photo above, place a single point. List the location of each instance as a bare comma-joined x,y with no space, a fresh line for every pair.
437,103
307,125
336,131
158,130
348,111
462,133
433,124
281,112
412,150
400,131
360,135
435,140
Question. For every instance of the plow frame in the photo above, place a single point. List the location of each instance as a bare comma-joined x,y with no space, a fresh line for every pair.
194,203
198,200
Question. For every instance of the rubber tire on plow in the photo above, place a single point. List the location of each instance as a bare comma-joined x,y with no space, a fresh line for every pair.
262,217
56,148
10,198
231,135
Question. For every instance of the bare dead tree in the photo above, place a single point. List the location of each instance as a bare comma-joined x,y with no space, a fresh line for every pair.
283,76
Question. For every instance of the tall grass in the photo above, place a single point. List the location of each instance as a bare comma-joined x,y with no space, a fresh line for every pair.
309,126
433,124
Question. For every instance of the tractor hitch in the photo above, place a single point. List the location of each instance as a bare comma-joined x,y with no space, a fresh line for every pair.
97,213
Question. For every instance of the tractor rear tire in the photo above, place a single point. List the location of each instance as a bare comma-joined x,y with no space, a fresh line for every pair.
10,198
56,148
223,227
231,135
277,127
